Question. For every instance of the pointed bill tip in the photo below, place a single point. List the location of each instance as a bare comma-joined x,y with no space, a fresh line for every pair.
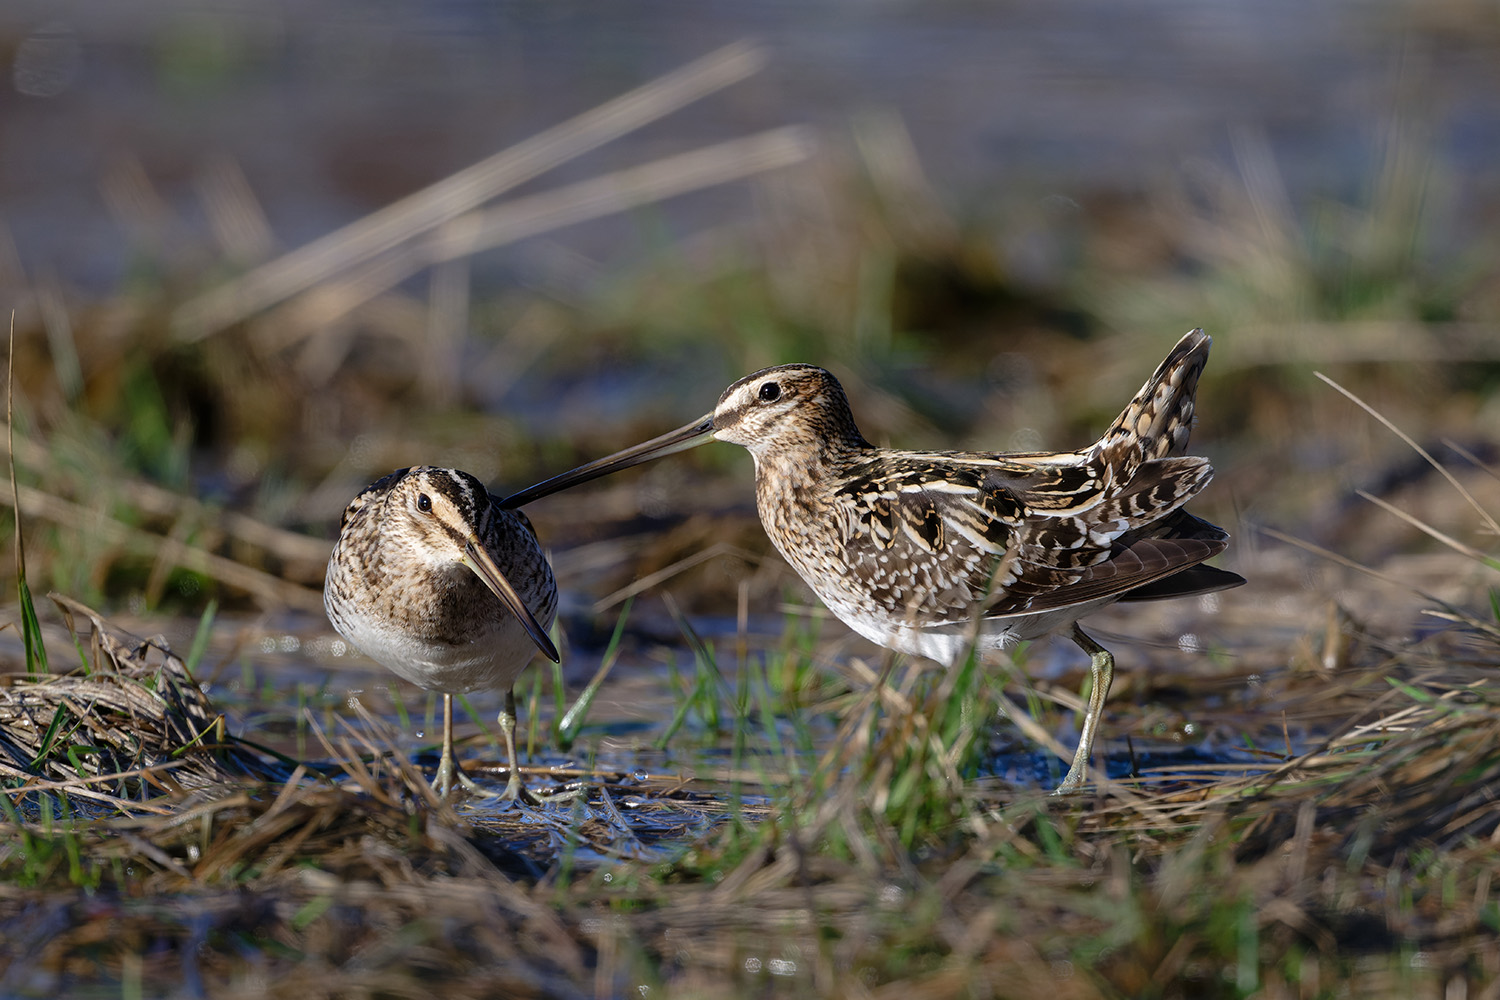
479,560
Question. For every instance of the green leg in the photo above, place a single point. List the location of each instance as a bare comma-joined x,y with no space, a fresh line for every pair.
1101,674
513,788
448,769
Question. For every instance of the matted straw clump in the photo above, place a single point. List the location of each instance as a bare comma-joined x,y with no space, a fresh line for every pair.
131,717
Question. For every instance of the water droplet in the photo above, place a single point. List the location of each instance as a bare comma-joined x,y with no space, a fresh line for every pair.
46,63
1025,439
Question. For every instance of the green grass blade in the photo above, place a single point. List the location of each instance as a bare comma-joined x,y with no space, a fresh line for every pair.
201,636
1415,694
463,703
74,758
533,699
31,630
44,749
679,716
559,703
402,715
572,721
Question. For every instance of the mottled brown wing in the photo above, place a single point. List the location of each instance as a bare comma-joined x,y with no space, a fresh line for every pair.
939,535
934,535
1193,579
1159,560
925,541
1129,539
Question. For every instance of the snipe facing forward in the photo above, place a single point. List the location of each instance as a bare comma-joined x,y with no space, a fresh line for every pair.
928,552
431,578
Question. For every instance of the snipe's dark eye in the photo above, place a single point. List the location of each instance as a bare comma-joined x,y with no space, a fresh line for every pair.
770,392
424,503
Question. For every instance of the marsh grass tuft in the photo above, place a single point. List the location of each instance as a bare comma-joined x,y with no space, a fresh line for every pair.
130,719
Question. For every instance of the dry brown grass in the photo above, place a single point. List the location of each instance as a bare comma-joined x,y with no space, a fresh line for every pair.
1331,865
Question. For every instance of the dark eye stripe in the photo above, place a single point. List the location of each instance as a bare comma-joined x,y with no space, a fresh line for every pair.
470,499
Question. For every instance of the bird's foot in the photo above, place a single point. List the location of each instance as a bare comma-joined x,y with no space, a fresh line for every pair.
1073,781
517,792
449,772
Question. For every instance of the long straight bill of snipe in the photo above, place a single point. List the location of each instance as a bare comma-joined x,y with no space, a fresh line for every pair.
685,437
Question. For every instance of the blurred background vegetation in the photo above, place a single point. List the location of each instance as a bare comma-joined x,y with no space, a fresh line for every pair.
990,220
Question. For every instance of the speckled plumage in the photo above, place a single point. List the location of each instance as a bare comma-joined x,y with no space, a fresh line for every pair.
909,548
404,587
930,552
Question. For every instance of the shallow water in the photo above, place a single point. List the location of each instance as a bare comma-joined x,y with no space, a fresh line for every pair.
1190,666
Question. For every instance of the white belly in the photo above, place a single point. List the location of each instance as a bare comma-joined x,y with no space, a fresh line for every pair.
491,661
947,644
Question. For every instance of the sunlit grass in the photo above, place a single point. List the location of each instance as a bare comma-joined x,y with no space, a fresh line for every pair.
880,857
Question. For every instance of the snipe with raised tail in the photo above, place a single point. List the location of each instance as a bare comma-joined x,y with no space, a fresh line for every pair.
931,552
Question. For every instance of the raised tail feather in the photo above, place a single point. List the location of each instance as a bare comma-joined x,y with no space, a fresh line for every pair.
1156,488
1157,422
